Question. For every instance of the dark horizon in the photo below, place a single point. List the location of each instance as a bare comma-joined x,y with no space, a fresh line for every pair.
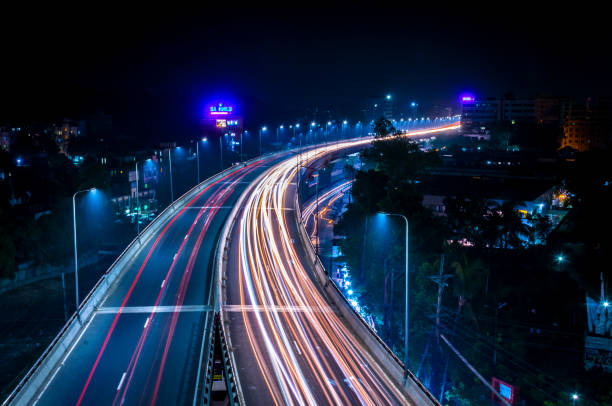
154,73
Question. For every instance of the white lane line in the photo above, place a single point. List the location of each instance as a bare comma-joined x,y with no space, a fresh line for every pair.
174,257
163,283
121,381
146,322
64,359
297,347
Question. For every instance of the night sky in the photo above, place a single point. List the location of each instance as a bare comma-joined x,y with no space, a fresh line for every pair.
155,70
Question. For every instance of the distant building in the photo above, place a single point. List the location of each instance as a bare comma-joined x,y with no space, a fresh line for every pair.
7,137
587,126
523,110
66,131
478,113
548,109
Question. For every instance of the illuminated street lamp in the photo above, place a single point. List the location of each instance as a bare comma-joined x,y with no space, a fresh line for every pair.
560,259
76,258
281,127
575,397
262,129
204,139
406,305
170,170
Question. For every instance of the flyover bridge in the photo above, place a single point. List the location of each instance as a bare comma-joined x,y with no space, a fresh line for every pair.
234,245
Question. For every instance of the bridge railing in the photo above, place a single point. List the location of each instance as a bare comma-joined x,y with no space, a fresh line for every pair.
29,387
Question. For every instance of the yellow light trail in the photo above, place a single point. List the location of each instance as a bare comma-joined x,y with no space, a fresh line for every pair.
309,356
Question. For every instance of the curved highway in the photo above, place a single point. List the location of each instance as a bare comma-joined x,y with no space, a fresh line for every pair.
143,344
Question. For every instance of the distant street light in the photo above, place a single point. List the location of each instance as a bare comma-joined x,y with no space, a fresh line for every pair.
406,307
262,129
574,398
170,170
76,258
560,259
204,139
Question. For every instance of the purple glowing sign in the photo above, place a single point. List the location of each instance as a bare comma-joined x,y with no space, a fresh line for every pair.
467,98
220,109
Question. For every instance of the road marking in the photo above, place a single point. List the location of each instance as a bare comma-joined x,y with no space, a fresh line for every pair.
146,323
163,283
297,347
121,381
154,309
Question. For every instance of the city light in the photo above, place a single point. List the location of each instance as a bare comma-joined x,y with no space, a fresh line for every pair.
220,109
388,97
467,98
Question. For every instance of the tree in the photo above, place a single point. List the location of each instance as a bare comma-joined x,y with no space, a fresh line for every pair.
383,127
470,279
542,226
465,218
512,226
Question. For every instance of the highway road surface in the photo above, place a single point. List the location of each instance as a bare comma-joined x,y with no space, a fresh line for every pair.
143,344
281,324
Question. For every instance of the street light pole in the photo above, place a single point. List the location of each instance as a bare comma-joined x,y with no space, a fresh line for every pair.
407,295
76,258
170,166
198,159
261,130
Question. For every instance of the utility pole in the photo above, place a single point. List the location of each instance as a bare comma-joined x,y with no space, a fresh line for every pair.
441,282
